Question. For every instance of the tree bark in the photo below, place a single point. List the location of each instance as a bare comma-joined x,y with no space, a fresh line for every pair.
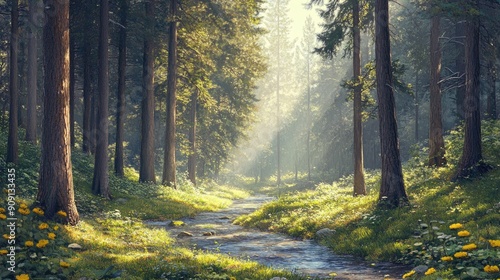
72,82
100,184
392,189
87,86
120,106
55,189
471,163
359,173
460,68
12,142
35,14
147,168
436,142
192,138
169,156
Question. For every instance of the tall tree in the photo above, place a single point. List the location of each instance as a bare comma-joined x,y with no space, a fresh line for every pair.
147,168
120,106
87,81
169,163
471,163
359,174
55,188
436,140
192,138
12,142
100,184
344,20
392,188
35,14
72,82
460,69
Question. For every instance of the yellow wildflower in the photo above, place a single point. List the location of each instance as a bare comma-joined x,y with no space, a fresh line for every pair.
42,243
2,210
463,233
23,277
491,269
6,236
494,243
456,226
56,227
447,259
409,274
23,206
64,264
24,211
43,226
430,271
3,252
469,247
28,243
3,217
38,211
61,213
51,235
459,255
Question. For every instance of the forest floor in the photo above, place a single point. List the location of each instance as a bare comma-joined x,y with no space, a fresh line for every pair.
116,241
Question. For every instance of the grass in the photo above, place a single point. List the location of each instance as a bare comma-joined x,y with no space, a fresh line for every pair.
380,234
115,240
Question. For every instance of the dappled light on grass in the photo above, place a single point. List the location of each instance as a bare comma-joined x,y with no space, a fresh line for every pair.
376,234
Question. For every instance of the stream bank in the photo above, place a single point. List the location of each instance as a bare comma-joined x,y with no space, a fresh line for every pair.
214,231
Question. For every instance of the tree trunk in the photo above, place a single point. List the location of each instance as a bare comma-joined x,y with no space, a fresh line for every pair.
100,184
460,68
192,138
120,106
55,189
12,142
471,161
491,110
436,141
359,173
392,189
87,86
35,13
72,82
147,169
169,164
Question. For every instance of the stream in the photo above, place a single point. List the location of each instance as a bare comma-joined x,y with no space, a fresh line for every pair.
214,231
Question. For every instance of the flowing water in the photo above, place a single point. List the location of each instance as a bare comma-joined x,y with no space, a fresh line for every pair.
215,231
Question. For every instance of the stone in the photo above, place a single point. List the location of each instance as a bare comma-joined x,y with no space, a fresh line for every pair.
209,233
421,269
75,246
324,233
278,278
185,234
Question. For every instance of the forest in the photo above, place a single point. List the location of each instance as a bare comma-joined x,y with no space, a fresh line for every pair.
249,139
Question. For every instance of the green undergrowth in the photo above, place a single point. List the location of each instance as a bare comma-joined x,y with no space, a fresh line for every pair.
363,229
115,241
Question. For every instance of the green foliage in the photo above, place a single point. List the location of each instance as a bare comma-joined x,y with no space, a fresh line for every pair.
452,248
381,234
39,245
